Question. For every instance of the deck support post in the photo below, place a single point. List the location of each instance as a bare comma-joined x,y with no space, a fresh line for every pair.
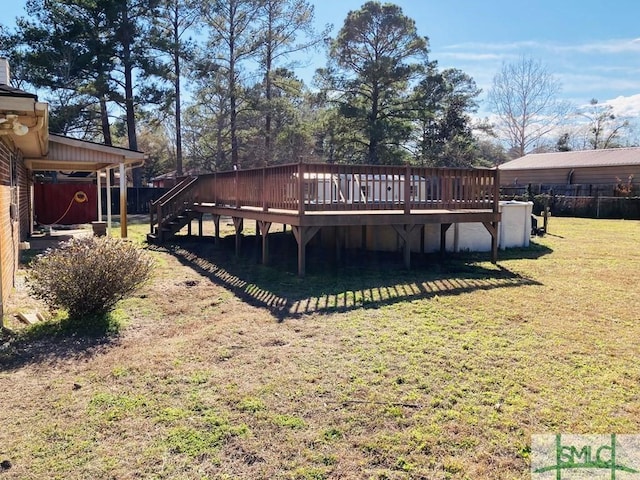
263,228
443,238
188,223
340,240
238,224
216,228
200,230
405,232
303,235
492,228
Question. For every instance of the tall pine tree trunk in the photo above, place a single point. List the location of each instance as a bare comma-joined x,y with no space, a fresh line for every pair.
127,62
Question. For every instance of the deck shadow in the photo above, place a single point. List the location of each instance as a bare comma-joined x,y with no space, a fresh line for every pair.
358,280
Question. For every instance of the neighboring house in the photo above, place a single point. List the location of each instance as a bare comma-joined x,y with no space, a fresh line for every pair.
26,148
586,167
169,179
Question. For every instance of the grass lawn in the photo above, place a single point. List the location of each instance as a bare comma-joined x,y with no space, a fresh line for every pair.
224,369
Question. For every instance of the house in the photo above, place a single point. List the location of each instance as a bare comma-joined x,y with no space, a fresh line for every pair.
26,147
170,179
583,169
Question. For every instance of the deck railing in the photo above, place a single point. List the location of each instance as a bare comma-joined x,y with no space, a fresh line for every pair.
172,203
309,187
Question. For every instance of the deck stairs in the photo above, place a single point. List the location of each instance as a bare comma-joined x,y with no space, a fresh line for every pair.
173,210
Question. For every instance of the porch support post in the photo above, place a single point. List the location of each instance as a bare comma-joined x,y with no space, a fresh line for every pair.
405,232
216,227
238,224
108,171
99,191
443,238
123,201
32,199
303,235
264,232
492,228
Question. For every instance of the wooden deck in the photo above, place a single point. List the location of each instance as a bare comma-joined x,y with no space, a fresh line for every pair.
309,197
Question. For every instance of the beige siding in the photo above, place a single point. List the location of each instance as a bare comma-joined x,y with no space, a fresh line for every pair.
524,177
606,175
71,153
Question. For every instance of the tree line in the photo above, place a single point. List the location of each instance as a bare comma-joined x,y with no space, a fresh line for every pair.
116,71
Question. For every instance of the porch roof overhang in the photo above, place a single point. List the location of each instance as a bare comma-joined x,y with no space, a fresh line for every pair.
27,111
71,154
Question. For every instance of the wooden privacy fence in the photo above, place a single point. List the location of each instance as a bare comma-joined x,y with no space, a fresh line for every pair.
327,187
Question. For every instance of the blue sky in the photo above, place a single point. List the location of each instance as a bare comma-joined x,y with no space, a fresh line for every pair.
591,46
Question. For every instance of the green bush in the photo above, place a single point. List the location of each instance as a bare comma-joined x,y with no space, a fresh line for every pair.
88,276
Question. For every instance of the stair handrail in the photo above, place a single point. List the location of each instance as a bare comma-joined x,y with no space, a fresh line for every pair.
169,198
171,191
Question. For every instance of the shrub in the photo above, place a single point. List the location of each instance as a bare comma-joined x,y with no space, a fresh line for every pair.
88,276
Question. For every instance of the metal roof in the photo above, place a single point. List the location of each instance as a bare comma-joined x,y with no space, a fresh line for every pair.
584,158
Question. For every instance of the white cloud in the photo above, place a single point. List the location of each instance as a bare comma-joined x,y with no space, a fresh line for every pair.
614,46
472,56
585,82
617,46
628,106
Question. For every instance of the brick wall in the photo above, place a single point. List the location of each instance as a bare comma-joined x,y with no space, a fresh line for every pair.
13,189
6,252
23,199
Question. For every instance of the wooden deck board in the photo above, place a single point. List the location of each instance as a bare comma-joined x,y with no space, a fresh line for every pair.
353,217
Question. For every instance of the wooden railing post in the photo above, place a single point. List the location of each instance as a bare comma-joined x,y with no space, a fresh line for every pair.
265,205
151,212
237,188
496,191
407,190
159,215
301,188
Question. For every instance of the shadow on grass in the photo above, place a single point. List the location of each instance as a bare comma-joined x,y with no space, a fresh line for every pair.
56,340
360,280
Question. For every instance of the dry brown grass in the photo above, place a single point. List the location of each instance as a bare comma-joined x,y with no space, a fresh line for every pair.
226,369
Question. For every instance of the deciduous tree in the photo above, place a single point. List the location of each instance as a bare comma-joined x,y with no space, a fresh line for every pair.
524,96
604,127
